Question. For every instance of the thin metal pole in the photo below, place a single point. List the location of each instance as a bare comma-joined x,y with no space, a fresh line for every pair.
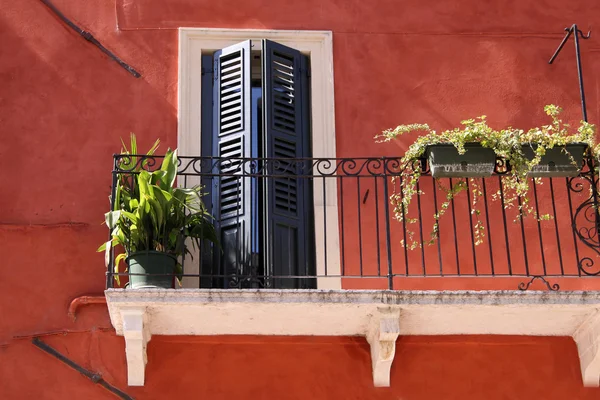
489,231
454,226
439,238
94,377
471,226
343,247
577,32
553,197
421,239
573,225
539,225
110,268
377,238
386,212
325,257
90,38
360,240
521,222
404,216
506,240
579,74
560,46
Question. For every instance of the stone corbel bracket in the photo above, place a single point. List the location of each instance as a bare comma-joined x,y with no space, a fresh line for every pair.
384,328
137,336
587,337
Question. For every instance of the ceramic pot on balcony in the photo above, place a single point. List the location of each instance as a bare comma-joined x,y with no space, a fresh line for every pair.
151,269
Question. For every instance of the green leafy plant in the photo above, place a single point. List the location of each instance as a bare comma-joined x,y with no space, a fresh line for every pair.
507,144
150,213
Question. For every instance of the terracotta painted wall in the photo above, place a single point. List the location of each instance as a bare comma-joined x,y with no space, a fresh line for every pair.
222,368
64,106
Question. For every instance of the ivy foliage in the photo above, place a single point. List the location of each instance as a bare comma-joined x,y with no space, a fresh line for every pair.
507,144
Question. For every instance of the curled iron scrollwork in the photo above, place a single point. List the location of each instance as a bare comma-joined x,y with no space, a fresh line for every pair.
392,166
586,217
248,276
585,208
553,287
132,163
587,267
501,166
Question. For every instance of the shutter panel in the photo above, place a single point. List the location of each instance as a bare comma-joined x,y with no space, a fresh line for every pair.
207,267
231,140
287,199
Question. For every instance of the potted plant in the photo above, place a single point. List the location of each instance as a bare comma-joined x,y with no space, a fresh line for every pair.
565,160
152,218
471,151
446,161
552,150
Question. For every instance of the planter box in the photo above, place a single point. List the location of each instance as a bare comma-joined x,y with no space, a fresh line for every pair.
558,161
445,162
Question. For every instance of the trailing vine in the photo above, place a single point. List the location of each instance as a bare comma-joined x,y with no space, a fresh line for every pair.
506,143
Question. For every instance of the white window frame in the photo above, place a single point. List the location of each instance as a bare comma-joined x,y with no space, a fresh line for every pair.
318,45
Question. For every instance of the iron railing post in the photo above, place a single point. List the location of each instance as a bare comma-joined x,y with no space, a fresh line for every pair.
455,244
386,212
111,252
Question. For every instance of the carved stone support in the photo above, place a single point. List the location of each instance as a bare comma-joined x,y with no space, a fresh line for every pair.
587,337
137,336
383,331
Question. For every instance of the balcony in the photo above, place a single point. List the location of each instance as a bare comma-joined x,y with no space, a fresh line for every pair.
353,241
312,247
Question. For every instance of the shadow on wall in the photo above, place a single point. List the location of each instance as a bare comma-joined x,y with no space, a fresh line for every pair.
441,80
355,16
65,106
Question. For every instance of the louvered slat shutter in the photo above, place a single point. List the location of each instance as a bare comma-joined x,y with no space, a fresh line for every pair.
231,141
287,198
208,251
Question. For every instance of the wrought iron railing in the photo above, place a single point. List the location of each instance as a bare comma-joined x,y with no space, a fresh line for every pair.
321,223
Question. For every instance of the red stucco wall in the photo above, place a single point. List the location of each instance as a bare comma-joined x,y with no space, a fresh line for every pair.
64,106
425,368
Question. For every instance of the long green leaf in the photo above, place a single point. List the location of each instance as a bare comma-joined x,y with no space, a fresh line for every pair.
112,218
169,165
143,182
118,259
131,216
158,211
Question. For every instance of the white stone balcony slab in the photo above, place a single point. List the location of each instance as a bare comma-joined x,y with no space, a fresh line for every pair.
379,316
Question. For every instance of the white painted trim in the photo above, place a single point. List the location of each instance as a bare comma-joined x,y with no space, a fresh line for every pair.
376,315
587,337
137,335
319,46
382,334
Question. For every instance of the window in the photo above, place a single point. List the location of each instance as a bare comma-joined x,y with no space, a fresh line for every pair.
259,93
194,43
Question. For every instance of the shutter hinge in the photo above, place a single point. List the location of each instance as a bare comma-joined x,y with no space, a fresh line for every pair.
207,71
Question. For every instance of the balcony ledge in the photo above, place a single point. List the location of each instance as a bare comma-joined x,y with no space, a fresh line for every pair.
379,316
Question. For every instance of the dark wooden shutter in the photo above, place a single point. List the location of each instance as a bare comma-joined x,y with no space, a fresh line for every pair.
208,250
231,141
287,198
